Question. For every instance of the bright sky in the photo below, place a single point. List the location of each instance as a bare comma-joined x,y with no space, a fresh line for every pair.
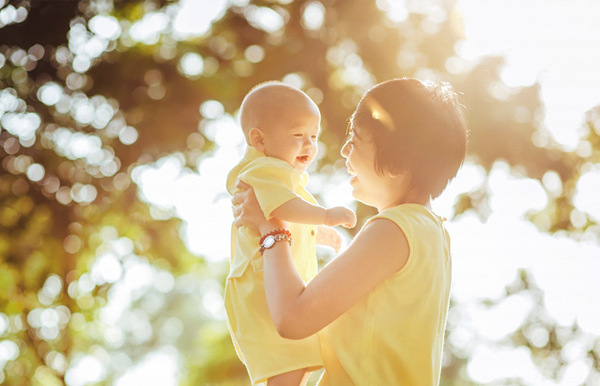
549,41
552,42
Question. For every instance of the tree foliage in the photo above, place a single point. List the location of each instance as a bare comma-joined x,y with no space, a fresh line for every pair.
82,104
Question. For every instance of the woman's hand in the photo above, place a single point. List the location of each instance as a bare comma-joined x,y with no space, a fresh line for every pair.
247,211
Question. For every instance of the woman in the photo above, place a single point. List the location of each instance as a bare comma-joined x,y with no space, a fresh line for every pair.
385,299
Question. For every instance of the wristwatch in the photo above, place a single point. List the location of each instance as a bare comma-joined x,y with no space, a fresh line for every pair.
270,240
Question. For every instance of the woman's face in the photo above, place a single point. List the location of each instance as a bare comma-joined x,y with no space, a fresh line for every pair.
368,186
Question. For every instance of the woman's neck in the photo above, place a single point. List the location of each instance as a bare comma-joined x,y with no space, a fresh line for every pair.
408,198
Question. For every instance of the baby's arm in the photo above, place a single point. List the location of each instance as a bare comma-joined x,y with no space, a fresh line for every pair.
299,211
329,237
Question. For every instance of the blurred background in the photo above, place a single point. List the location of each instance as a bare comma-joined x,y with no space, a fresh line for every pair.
118,126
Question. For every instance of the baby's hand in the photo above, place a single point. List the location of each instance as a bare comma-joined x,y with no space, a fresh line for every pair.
340,216
329,237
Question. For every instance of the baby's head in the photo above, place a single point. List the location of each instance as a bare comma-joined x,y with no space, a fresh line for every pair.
416,127
282,122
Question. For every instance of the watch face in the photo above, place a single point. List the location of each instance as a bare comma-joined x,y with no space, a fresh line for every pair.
269,241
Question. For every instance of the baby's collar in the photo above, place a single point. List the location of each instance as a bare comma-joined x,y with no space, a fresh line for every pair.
253,153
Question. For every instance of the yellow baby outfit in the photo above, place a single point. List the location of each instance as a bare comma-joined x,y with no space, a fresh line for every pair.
394,336
254,336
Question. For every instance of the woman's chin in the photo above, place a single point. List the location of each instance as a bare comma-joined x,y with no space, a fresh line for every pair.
360,198
355,191
359,195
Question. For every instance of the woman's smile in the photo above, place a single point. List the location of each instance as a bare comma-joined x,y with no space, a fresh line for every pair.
353,175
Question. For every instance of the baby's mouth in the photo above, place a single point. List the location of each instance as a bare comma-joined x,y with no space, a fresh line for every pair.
303,158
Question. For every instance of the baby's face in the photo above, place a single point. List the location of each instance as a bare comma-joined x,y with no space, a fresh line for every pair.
295,141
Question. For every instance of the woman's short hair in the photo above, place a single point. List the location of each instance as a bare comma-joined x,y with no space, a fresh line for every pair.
415,126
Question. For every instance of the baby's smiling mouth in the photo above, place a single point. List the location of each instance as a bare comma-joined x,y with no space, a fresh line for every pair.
303,158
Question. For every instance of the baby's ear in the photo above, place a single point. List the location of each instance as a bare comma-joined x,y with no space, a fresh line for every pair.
257,139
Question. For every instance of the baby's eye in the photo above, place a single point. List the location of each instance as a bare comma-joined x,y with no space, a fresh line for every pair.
313,136
298,135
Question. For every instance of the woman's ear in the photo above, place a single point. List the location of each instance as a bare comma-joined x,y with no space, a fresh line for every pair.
397,173
257,139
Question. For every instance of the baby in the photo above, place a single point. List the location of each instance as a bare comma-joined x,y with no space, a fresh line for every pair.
281,125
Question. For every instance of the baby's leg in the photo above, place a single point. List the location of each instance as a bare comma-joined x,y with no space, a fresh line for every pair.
292,378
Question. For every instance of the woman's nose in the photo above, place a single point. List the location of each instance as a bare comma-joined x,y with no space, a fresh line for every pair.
344,150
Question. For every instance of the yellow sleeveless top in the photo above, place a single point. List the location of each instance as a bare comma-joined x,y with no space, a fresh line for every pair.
394,336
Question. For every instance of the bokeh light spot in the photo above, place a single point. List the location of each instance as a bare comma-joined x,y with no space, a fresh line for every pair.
148,29
164,281
8,15
395,10
9,351
106,269
454,65
522,114
81,63
11,146
294,79
57,362
106,26
191,65
128,135
552,182
254,53
195,17
315,94
313,15
52,286
4,323
22,125
22,162
50,93
63,195
72,244
264,18
84,371
212,109
121,181
83,193
586,197
35,172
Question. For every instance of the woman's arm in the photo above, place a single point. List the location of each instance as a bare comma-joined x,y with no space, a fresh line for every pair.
298,311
